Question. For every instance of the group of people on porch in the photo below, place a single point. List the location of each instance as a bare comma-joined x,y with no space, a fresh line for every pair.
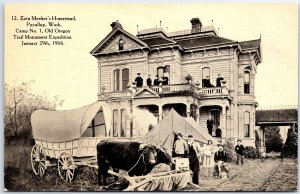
204,154
164,80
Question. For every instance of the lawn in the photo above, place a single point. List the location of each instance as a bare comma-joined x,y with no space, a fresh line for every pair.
254,175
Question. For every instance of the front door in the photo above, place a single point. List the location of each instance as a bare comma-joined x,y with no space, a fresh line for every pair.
215,115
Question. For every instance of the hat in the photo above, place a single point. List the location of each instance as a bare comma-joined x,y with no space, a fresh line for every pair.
139,73
190,136
239,140
220,145
179,134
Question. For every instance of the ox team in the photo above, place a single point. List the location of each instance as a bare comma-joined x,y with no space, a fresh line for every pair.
139,159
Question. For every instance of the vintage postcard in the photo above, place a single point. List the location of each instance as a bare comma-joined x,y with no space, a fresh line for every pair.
150,96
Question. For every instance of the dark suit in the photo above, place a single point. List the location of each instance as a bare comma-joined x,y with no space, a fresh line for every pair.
139,81
219,156
218,82
149,82
239,149
209,124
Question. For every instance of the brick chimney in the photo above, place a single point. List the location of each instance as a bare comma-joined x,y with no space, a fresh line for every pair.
196,25
116,24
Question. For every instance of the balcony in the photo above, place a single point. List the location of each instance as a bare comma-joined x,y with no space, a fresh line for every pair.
184,89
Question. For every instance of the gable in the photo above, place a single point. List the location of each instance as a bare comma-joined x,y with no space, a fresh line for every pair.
113,45
111,42
146,93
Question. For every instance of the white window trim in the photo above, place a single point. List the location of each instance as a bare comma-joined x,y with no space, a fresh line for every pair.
120,67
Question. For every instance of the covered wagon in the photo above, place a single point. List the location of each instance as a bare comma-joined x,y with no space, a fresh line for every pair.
68,138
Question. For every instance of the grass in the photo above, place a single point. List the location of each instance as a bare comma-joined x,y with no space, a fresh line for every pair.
254,175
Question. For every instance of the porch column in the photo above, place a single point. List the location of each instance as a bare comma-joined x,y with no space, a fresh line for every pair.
223,123
188,110
160,113
197,115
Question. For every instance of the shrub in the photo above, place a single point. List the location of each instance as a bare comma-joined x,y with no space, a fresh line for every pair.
290,148
250,152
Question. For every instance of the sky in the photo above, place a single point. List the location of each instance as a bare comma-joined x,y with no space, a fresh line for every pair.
71,72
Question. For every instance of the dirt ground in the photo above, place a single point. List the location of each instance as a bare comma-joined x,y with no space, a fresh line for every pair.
255,175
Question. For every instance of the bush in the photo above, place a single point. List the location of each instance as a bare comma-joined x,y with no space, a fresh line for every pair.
229,148
250,152
290,148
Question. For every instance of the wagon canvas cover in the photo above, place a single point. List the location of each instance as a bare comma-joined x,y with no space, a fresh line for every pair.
66,125
163,133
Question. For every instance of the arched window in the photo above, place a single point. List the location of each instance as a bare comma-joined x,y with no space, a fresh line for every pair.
115,122
121,44
125,78
120,79
206,77
161,71
117,80
246,82
246,124
123,122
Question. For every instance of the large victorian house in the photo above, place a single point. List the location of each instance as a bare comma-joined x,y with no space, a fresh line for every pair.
190,59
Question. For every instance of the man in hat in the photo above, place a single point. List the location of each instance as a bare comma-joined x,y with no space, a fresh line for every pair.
218,81
180,146
194,154
139,80
220,156
149,81
209,124
239,149
156,81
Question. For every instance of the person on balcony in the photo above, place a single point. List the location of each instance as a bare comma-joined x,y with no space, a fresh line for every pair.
165,79
156,81
218,132
209,124
149,81
180,146
218,81
206,83
139,80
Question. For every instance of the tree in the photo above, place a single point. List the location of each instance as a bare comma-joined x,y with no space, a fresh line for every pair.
290,148
20,102
274,140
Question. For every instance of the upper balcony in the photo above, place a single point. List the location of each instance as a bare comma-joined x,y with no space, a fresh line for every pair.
173,89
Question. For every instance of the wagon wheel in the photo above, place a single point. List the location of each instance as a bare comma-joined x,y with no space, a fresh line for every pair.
38,160
66,167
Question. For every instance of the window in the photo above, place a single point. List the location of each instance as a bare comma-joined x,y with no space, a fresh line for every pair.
123,122
121,44
125,78
247,82
246,124
205,74
117,80
115,123
121,79
163,70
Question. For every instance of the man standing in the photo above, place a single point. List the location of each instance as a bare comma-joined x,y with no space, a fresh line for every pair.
209,124
149,81
139,80
156,81
194,154
219,79
239,149
220,156
180,146
218,132
165,79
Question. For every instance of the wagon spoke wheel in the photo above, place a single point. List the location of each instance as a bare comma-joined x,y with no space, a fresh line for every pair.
38,160
66,167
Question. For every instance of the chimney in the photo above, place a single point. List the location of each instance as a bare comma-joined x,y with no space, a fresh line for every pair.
196,25
116,24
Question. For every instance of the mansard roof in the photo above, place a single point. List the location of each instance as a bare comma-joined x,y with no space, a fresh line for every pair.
250,44
158,41
203,41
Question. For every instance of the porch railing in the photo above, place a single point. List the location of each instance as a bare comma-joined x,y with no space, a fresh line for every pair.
171,89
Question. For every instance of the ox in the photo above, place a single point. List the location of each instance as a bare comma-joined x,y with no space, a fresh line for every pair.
136,158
